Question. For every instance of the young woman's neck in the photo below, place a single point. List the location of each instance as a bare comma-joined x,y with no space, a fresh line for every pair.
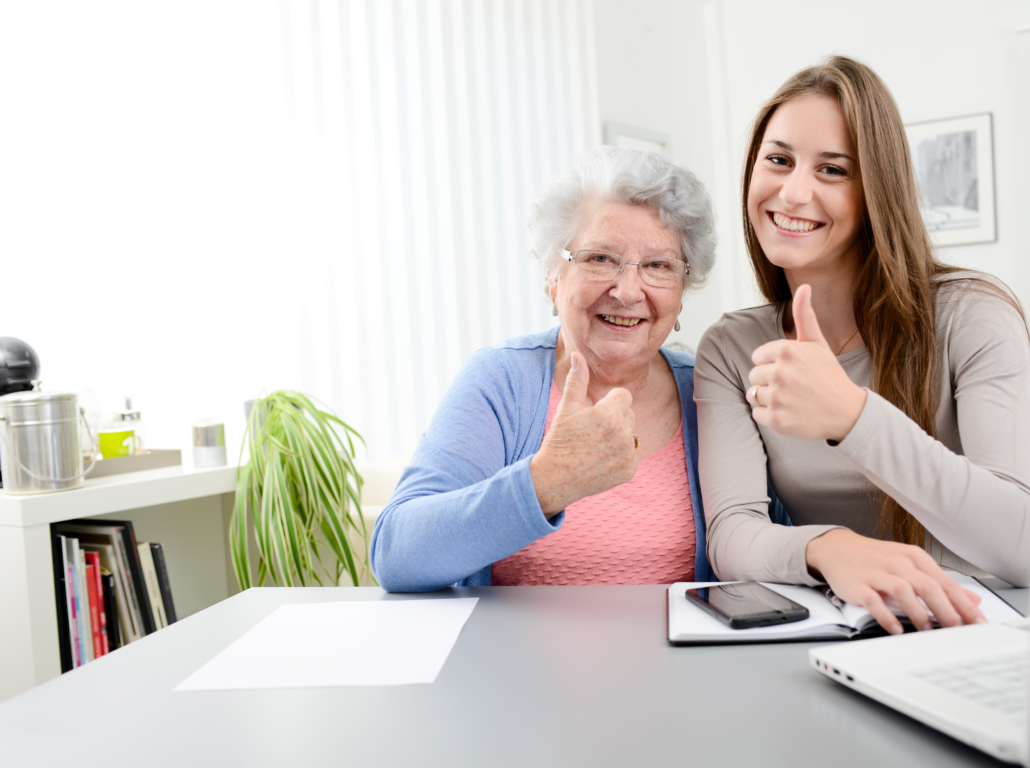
833,299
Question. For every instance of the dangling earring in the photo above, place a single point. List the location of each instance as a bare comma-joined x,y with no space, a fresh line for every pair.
677,326
554,309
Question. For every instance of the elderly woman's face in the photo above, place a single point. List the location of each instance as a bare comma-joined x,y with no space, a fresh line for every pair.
623,321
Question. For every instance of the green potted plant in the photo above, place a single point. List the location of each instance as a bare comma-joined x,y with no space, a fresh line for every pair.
302,494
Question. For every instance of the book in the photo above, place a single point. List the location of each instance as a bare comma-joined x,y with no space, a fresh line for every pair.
81,603
73,617
61,599
130,628
158,553
94,607
96,599
689,625
114,635
104,542
124,540
153,588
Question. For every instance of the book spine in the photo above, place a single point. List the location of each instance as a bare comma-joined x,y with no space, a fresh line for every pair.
73,619
114,634
132,554
61,600
73,570
85,623
94,558
153,588
94,608
158,553
135,612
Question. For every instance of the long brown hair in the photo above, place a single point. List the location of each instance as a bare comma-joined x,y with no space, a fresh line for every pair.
896,287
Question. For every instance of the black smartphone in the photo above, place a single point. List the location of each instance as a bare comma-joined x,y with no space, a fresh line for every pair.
747,604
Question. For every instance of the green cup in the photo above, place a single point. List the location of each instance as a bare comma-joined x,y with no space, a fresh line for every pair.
118,442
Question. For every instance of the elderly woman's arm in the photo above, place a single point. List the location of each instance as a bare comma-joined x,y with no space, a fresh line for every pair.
468,499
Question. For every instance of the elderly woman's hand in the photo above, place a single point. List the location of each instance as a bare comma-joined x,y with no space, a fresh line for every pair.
588,449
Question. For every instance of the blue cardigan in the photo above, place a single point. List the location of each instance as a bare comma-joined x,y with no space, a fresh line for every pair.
468,500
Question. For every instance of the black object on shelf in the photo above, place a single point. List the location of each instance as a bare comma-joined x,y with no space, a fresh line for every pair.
158,553
19,367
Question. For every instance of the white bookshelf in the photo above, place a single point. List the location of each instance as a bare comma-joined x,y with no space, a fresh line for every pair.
185,509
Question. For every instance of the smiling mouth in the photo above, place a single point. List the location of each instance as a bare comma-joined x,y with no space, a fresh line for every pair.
626,322
788,224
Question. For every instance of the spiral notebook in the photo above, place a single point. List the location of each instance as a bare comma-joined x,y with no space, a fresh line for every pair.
689,625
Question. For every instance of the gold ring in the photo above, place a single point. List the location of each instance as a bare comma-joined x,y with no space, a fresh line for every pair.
754,394
636,442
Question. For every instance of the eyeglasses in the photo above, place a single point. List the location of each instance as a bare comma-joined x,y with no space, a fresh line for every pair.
602,266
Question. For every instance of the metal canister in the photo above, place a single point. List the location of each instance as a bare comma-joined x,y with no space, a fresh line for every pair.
39,442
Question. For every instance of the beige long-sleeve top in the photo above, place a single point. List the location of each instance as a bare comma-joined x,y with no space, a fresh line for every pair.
969,487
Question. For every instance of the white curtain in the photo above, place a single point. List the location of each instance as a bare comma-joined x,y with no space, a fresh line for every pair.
203,200
425,129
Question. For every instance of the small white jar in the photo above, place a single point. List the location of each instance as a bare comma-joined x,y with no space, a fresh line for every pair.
209,444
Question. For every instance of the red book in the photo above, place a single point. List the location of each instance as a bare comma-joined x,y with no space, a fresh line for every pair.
93,558
93,612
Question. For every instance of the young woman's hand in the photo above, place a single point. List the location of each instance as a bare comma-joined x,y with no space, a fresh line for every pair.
865,572
589,448
798,387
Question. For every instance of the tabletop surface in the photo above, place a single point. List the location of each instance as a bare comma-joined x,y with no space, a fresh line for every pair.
540,676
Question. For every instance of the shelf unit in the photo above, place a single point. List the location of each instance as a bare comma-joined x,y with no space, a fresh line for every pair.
184,508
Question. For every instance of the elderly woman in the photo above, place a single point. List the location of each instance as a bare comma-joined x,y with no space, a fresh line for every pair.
569,457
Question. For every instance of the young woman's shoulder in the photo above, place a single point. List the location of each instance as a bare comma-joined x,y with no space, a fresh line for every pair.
759,324
974,309
968,291
735,335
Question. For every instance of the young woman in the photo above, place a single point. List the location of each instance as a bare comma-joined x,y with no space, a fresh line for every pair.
884,394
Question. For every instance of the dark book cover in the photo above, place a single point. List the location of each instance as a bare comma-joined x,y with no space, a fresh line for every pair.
158,552
139,586
60,576
114,631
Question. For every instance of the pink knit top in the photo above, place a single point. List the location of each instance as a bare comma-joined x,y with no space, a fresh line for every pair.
640,532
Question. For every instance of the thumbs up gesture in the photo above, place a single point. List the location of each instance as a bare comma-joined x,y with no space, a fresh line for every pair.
588,448
798,389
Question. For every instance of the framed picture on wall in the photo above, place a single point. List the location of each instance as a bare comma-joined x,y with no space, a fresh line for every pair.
954,162
628,137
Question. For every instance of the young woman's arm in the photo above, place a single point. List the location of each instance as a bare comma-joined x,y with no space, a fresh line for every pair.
742,543
976,504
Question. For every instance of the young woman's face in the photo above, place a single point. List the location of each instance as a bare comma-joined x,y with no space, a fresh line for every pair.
805,200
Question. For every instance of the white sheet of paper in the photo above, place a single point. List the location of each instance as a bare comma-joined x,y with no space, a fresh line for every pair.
320,645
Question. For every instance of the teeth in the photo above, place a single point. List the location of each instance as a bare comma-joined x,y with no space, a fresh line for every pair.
793,225
626,321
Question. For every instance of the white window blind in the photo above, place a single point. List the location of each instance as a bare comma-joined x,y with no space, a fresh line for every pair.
426,128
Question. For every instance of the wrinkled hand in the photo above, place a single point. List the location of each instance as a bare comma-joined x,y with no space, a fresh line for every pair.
803,391
588,449
865,572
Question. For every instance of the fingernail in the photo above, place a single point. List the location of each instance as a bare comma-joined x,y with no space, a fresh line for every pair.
927,626
575,363
980,620
895,629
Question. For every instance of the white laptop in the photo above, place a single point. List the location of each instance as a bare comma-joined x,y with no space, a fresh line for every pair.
971,682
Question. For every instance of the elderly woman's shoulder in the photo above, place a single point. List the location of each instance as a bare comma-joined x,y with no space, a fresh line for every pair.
530,342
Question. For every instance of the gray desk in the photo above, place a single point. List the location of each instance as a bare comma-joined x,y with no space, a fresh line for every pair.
540,676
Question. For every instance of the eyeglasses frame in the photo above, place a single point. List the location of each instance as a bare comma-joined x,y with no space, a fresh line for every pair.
571,257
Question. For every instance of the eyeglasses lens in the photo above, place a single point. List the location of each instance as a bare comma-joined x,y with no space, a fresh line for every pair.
602,266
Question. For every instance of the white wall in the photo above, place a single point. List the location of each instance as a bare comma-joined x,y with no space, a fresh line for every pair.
651,73
941,59
699,69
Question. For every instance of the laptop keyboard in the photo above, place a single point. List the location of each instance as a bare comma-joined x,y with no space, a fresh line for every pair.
1000,681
